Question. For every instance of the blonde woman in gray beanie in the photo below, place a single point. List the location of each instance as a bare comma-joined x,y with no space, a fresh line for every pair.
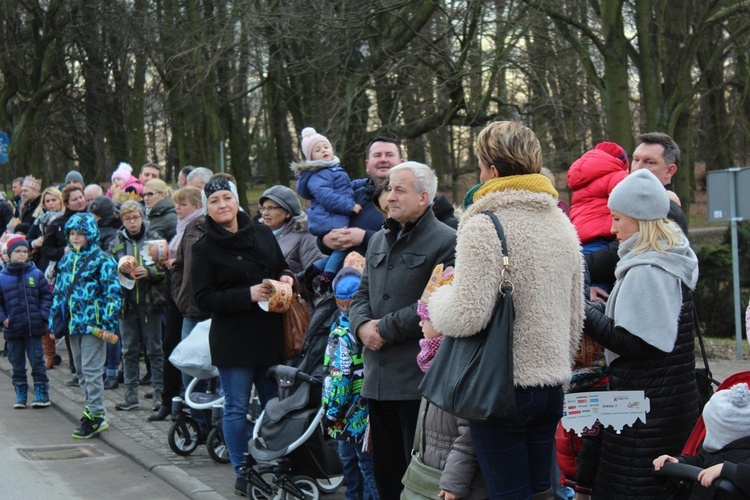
648,332
282,213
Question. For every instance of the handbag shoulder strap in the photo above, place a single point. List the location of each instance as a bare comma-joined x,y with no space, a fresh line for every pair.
418,437
506,286
700,341
500,232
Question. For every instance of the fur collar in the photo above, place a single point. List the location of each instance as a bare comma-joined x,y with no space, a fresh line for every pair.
313,166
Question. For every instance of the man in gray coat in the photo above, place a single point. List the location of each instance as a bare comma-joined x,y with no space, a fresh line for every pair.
400,259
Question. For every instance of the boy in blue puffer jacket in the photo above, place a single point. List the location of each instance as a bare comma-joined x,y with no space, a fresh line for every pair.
24,308
87,295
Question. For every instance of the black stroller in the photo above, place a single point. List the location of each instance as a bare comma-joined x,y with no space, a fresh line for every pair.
683,477
288,448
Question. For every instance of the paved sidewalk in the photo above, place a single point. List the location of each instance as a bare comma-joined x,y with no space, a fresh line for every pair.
722,368
196,476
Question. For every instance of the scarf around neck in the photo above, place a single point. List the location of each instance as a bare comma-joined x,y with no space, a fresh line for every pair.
537,183
181,225
647,297
244,238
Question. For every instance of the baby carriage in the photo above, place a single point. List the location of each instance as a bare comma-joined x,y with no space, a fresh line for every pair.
185,434
683,476
192,356
288,449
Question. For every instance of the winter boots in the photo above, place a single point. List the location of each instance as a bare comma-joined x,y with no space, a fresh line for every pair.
21,395
41,396
131,400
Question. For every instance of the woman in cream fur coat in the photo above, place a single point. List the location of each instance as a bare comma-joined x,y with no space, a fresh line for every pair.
547,273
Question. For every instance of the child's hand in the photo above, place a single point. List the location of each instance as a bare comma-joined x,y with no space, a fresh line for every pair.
659,462
447,495
140,272
357,208
707,476
428,330
5,323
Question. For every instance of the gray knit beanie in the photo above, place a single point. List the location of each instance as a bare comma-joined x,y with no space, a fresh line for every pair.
640,196
727,417
102,206
74,176
284,196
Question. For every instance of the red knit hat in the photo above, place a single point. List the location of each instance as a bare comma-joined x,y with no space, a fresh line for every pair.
16,241
614,149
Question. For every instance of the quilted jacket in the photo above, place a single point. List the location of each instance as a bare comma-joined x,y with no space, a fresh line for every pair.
592,177
25,300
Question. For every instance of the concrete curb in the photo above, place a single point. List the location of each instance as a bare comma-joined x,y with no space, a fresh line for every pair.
152,462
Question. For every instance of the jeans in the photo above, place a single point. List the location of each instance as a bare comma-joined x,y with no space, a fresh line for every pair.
136,321
516,457
335,262
358,474
89,354
237,382
114,355
18,350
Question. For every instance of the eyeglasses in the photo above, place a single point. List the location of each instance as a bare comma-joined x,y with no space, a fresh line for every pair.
268,209
130,220
149,195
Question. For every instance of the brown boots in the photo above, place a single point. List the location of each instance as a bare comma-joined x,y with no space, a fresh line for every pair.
48,344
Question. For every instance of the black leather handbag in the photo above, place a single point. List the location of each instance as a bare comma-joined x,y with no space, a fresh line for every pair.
472,377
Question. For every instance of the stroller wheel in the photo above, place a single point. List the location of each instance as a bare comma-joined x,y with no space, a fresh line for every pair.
308,487
184,436
257,493
328,485
217,448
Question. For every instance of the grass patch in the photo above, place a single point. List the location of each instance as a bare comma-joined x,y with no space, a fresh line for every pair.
722,348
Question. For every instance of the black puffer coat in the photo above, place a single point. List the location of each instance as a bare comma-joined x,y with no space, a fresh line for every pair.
668,379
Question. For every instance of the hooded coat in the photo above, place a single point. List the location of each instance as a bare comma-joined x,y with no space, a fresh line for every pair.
330,192
95,299
592,178
163,218
648,331
300,248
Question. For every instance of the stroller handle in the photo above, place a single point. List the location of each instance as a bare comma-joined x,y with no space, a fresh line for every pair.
278,373
690,473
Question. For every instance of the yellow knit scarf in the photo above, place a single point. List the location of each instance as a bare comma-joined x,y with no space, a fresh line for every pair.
528,182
